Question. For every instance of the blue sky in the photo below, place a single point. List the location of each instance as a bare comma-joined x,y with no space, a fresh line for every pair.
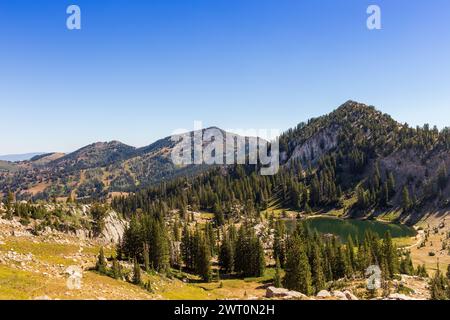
137,70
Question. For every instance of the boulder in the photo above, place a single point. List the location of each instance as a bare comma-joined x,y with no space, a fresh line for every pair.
294,295
43,298
272,292
350,295
323,294
339,294
398,296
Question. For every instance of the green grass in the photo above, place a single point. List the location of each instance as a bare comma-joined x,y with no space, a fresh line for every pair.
207,215
17,284
50,252
403,242
390,216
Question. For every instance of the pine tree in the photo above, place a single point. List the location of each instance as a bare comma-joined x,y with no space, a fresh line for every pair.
406,201
101,262
9,199
318,277
406,265
226,257
116,269
159,242
278,243
422,271
298,270
136,272
146,257
260,261
203,257
391,184
277,277
351,252
384,195
390,255
438,286
442,177
9,205
186,247
448,272
219,218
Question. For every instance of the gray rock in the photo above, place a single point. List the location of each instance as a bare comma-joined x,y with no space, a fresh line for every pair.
350,296
43,298
272,292
398,296
281,293
114,227
294,295
324,294
339,294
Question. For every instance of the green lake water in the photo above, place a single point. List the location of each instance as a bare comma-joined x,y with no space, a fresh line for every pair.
356,228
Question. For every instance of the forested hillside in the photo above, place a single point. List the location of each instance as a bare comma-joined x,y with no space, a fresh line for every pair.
354,152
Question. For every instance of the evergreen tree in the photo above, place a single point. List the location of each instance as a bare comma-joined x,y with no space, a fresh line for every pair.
438,286
260,260
279,242
226,257
116,269
298,270
277,277
146,258
406,201
406,265
203,257
442,177
390,255
391,185
186,247
318,277
136,272
101,262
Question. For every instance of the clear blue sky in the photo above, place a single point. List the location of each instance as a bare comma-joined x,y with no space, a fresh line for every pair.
140,69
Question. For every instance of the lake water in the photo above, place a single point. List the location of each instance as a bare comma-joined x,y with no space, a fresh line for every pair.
356,228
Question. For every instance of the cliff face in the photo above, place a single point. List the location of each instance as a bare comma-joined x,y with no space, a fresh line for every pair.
114,228
317,146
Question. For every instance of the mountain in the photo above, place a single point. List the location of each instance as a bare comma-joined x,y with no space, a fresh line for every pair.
95,170
370,149
19,157
355,161
355,152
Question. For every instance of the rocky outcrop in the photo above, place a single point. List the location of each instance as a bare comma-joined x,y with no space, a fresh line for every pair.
285,294
339,295
317,145
324,294
114,228
350,295
398,296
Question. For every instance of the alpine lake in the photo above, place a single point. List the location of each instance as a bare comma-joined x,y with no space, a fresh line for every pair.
343,228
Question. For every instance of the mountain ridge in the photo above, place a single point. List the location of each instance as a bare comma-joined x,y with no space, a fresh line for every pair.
365,146
20,156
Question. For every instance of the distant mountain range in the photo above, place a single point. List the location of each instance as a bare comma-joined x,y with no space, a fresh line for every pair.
96,170
20,157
